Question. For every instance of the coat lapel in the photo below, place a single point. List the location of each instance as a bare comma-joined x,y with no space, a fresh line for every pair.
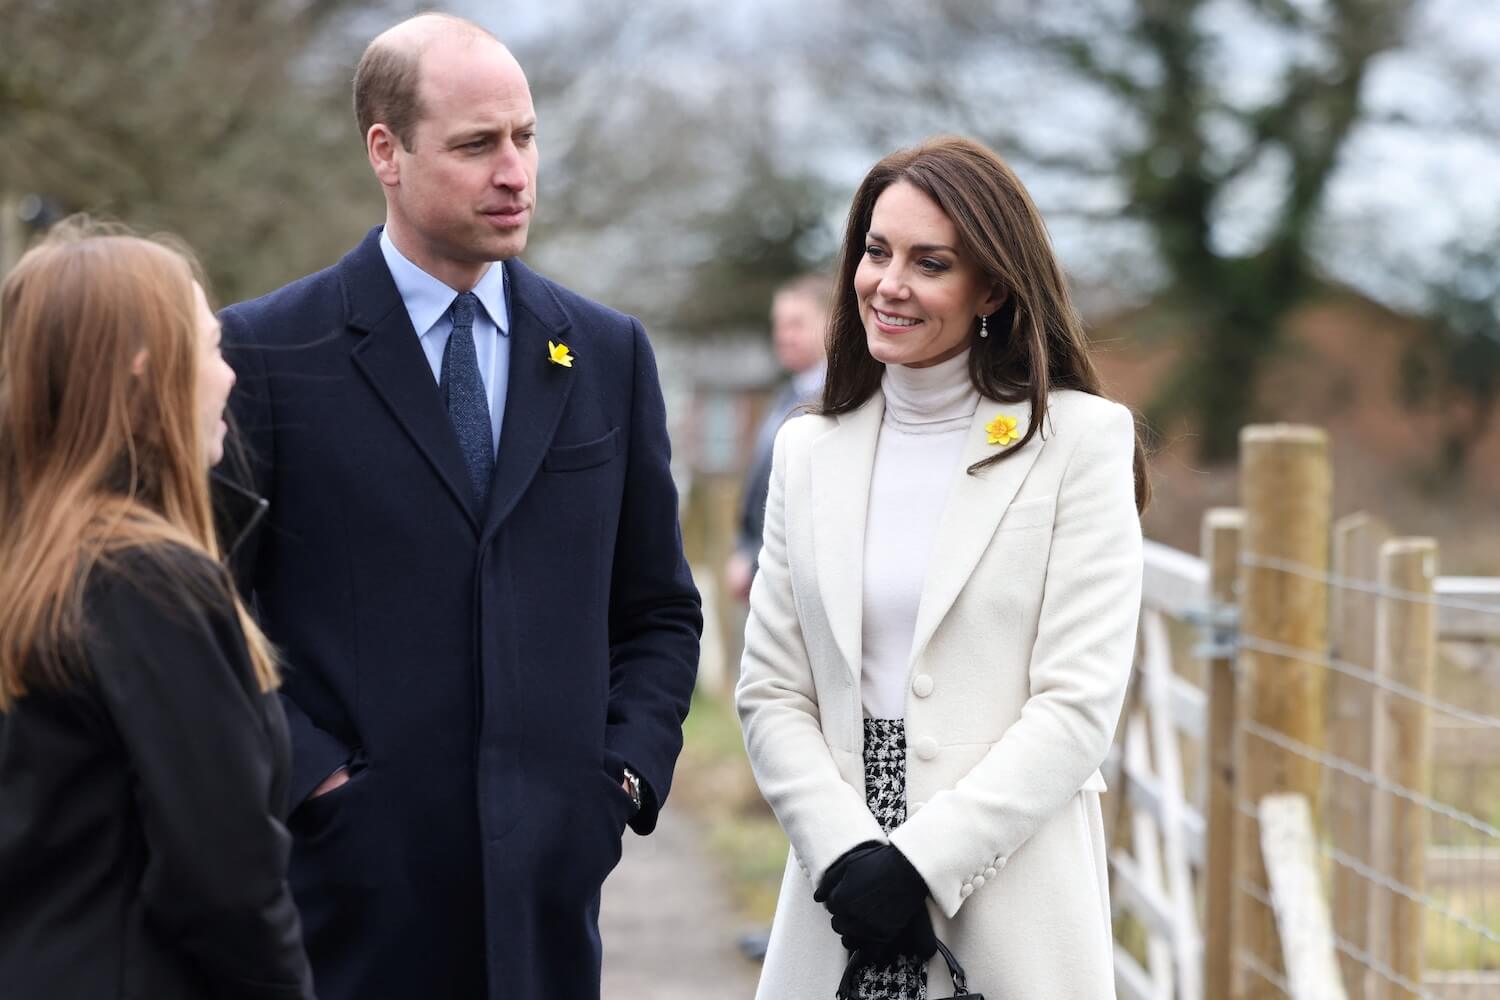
536,392
391,358
842,461
971,515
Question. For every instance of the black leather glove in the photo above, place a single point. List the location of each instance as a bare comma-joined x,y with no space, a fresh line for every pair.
872,892
916,940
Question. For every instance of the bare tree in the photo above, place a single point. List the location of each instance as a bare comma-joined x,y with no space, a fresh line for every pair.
225,121
1209,131
663,191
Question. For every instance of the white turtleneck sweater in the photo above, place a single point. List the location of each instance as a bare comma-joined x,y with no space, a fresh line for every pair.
927,416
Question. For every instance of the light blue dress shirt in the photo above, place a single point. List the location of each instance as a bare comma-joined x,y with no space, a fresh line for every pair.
429,303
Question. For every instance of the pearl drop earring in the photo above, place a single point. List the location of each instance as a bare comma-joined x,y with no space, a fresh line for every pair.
984,326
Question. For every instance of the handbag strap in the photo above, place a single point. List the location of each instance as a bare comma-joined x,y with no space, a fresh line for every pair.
960,981
858,960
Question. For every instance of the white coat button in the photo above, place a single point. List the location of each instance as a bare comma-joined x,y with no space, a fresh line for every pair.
989,873
921,685
927,748
966,891
979,881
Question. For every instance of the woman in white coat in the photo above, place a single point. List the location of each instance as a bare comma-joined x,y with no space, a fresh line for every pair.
942,628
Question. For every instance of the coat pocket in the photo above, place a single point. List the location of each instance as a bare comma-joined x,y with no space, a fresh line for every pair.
337,863
310,815
580,838
573,457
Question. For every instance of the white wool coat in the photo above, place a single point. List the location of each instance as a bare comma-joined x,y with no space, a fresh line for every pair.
1023,645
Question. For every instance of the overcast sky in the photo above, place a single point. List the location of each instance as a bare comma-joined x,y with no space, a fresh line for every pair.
1420,187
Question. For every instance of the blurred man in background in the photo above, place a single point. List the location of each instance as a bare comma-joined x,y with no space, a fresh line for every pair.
799,320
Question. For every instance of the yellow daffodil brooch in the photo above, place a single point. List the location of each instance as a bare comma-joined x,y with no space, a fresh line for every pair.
558,355
1002,430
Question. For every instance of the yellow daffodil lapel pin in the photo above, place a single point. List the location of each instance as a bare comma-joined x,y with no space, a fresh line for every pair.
1002,430
558,355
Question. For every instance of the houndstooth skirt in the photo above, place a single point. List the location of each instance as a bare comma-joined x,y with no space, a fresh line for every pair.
885,792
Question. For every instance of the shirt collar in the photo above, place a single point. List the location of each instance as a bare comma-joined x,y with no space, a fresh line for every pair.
810,382
427,299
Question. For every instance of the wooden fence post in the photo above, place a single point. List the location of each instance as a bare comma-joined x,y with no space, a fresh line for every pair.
1288,843
1405,654
1286,491
708,535
1222,528
1351,703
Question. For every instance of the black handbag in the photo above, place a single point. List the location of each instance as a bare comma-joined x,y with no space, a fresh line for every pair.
858,960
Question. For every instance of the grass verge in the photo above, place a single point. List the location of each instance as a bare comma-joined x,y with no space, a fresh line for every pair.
714,782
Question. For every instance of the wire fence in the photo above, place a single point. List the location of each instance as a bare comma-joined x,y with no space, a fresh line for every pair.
1404,780
1410,841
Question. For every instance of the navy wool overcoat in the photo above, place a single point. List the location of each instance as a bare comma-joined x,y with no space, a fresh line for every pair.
484,673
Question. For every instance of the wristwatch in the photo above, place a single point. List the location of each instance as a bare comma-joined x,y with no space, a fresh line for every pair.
633,786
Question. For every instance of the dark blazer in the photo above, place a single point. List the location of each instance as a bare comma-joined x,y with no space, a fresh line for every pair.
142,853
484,673
752,514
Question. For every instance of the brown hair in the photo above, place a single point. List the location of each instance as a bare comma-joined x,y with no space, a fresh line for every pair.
99,455
385,91
1037,342
388,78
814,286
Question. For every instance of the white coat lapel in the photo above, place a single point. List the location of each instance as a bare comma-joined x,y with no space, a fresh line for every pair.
973,511
842,460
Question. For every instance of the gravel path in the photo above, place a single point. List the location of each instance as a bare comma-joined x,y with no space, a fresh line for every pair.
669,930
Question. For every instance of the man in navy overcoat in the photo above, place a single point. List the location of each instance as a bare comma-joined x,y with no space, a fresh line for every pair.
471,565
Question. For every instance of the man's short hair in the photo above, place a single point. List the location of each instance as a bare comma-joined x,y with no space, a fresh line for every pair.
387,79
385,91
816,286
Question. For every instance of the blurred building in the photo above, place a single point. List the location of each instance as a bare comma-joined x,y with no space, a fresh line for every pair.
717,390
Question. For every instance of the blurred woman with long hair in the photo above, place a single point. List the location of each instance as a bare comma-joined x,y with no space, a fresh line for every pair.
143,750
943,625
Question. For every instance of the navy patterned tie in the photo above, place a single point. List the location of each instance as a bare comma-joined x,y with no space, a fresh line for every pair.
463,391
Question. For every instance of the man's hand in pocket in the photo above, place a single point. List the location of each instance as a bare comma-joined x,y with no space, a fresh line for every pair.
328,784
